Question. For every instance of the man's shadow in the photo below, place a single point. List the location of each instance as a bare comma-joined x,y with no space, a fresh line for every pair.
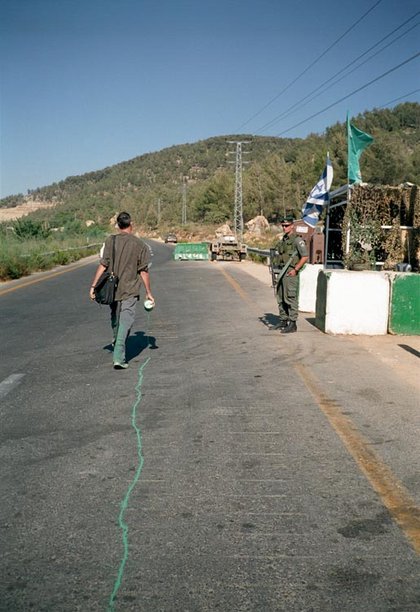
136,344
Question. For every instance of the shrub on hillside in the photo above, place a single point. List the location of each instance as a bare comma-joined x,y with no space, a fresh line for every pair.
27,228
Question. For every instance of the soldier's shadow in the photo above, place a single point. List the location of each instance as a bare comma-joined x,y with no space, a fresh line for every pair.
269,319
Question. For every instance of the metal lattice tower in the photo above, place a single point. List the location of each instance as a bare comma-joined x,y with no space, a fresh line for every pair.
238,217
159,211
184,201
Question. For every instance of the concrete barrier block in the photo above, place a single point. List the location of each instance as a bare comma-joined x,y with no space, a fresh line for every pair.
307,287
404,311
352,302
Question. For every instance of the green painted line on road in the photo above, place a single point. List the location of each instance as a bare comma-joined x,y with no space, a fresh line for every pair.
124,504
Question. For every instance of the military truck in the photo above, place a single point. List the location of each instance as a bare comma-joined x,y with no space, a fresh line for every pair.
227,247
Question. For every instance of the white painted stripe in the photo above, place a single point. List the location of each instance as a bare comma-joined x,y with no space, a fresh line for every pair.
10,383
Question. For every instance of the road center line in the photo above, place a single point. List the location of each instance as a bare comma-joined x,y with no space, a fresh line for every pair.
393,494
236,286
10,383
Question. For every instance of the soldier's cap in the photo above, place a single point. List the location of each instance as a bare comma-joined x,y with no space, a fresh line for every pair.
288,220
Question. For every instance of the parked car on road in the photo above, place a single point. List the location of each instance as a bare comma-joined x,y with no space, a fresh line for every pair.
171,238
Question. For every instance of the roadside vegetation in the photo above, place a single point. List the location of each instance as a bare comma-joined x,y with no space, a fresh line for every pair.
28,245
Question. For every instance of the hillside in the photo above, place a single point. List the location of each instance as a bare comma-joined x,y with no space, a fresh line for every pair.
278,177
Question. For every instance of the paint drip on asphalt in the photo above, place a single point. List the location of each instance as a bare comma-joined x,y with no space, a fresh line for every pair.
140,461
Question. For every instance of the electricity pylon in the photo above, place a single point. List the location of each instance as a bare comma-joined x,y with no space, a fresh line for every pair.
184,201
159,211
238,217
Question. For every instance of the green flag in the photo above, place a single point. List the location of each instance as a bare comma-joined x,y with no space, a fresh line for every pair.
357,141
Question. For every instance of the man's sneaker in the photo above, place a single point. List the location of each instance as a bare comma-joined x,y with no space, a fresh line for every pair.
291,327
120,365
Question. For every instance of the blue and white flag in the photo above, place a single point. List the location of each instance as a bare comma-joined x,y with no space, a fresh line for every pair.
319,196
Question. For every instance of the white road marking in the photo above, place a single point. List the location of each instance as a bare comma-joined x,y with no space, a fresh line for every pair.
10,383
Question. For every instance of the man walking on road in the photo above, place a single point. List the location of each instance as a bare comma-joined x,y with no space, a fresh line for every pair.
292,256
131,267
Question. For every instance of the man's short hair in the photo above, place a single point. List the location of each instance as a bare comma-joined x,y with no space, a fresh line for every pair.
124,220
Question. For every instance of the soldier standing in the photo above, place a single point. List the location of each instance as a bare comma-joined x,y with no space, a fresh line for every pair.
292,256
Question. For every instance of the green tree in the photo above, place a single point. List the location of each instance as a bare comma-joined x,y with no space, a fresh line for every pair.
216,203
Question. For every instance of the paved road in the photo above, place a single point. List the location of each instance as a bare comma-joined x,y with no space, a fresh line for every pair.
252,471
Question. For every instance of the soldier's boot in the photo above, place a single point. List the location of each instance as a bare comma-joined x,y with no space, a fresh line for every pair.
281,324
290,328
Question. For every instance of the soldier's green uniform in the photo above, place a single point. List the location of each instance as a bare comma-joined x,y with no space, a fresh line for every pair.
294,247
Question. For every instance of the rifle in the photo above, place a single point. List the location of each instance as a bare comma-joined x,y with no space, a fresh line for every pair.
278,273
274,270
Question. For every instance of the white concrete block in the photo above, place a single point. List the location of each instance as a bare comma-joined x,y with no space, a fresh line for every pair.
307,287
357,302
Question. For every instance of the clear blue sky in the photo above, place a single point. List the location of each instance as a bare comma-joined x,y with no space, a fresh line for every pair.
86,84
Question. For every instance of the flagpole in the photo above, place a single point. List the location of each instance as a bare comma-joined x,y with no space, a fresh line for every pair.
348,147
327,226
348,184
348,231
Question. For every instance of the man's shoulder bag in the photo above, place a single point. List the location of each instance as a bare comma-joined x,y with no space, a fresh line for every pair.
107,283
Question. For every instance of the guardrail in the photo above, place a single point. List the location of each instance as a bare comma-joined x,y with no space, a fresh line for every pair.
76,248
262,252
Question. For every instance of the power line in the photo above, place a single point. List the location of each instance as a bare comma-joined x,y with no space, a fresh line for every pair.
310,65
410,93
299,104
381,76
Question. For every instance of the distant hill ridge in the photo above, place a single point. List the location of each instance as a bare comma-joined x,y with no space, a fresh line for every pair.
278,177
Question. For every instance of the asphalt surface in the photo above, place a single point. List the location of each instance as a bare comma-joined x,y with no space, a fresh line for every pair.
219,449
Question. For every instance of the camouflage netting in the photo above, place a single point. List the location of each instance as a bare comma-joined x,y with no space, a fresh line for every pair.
374,206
